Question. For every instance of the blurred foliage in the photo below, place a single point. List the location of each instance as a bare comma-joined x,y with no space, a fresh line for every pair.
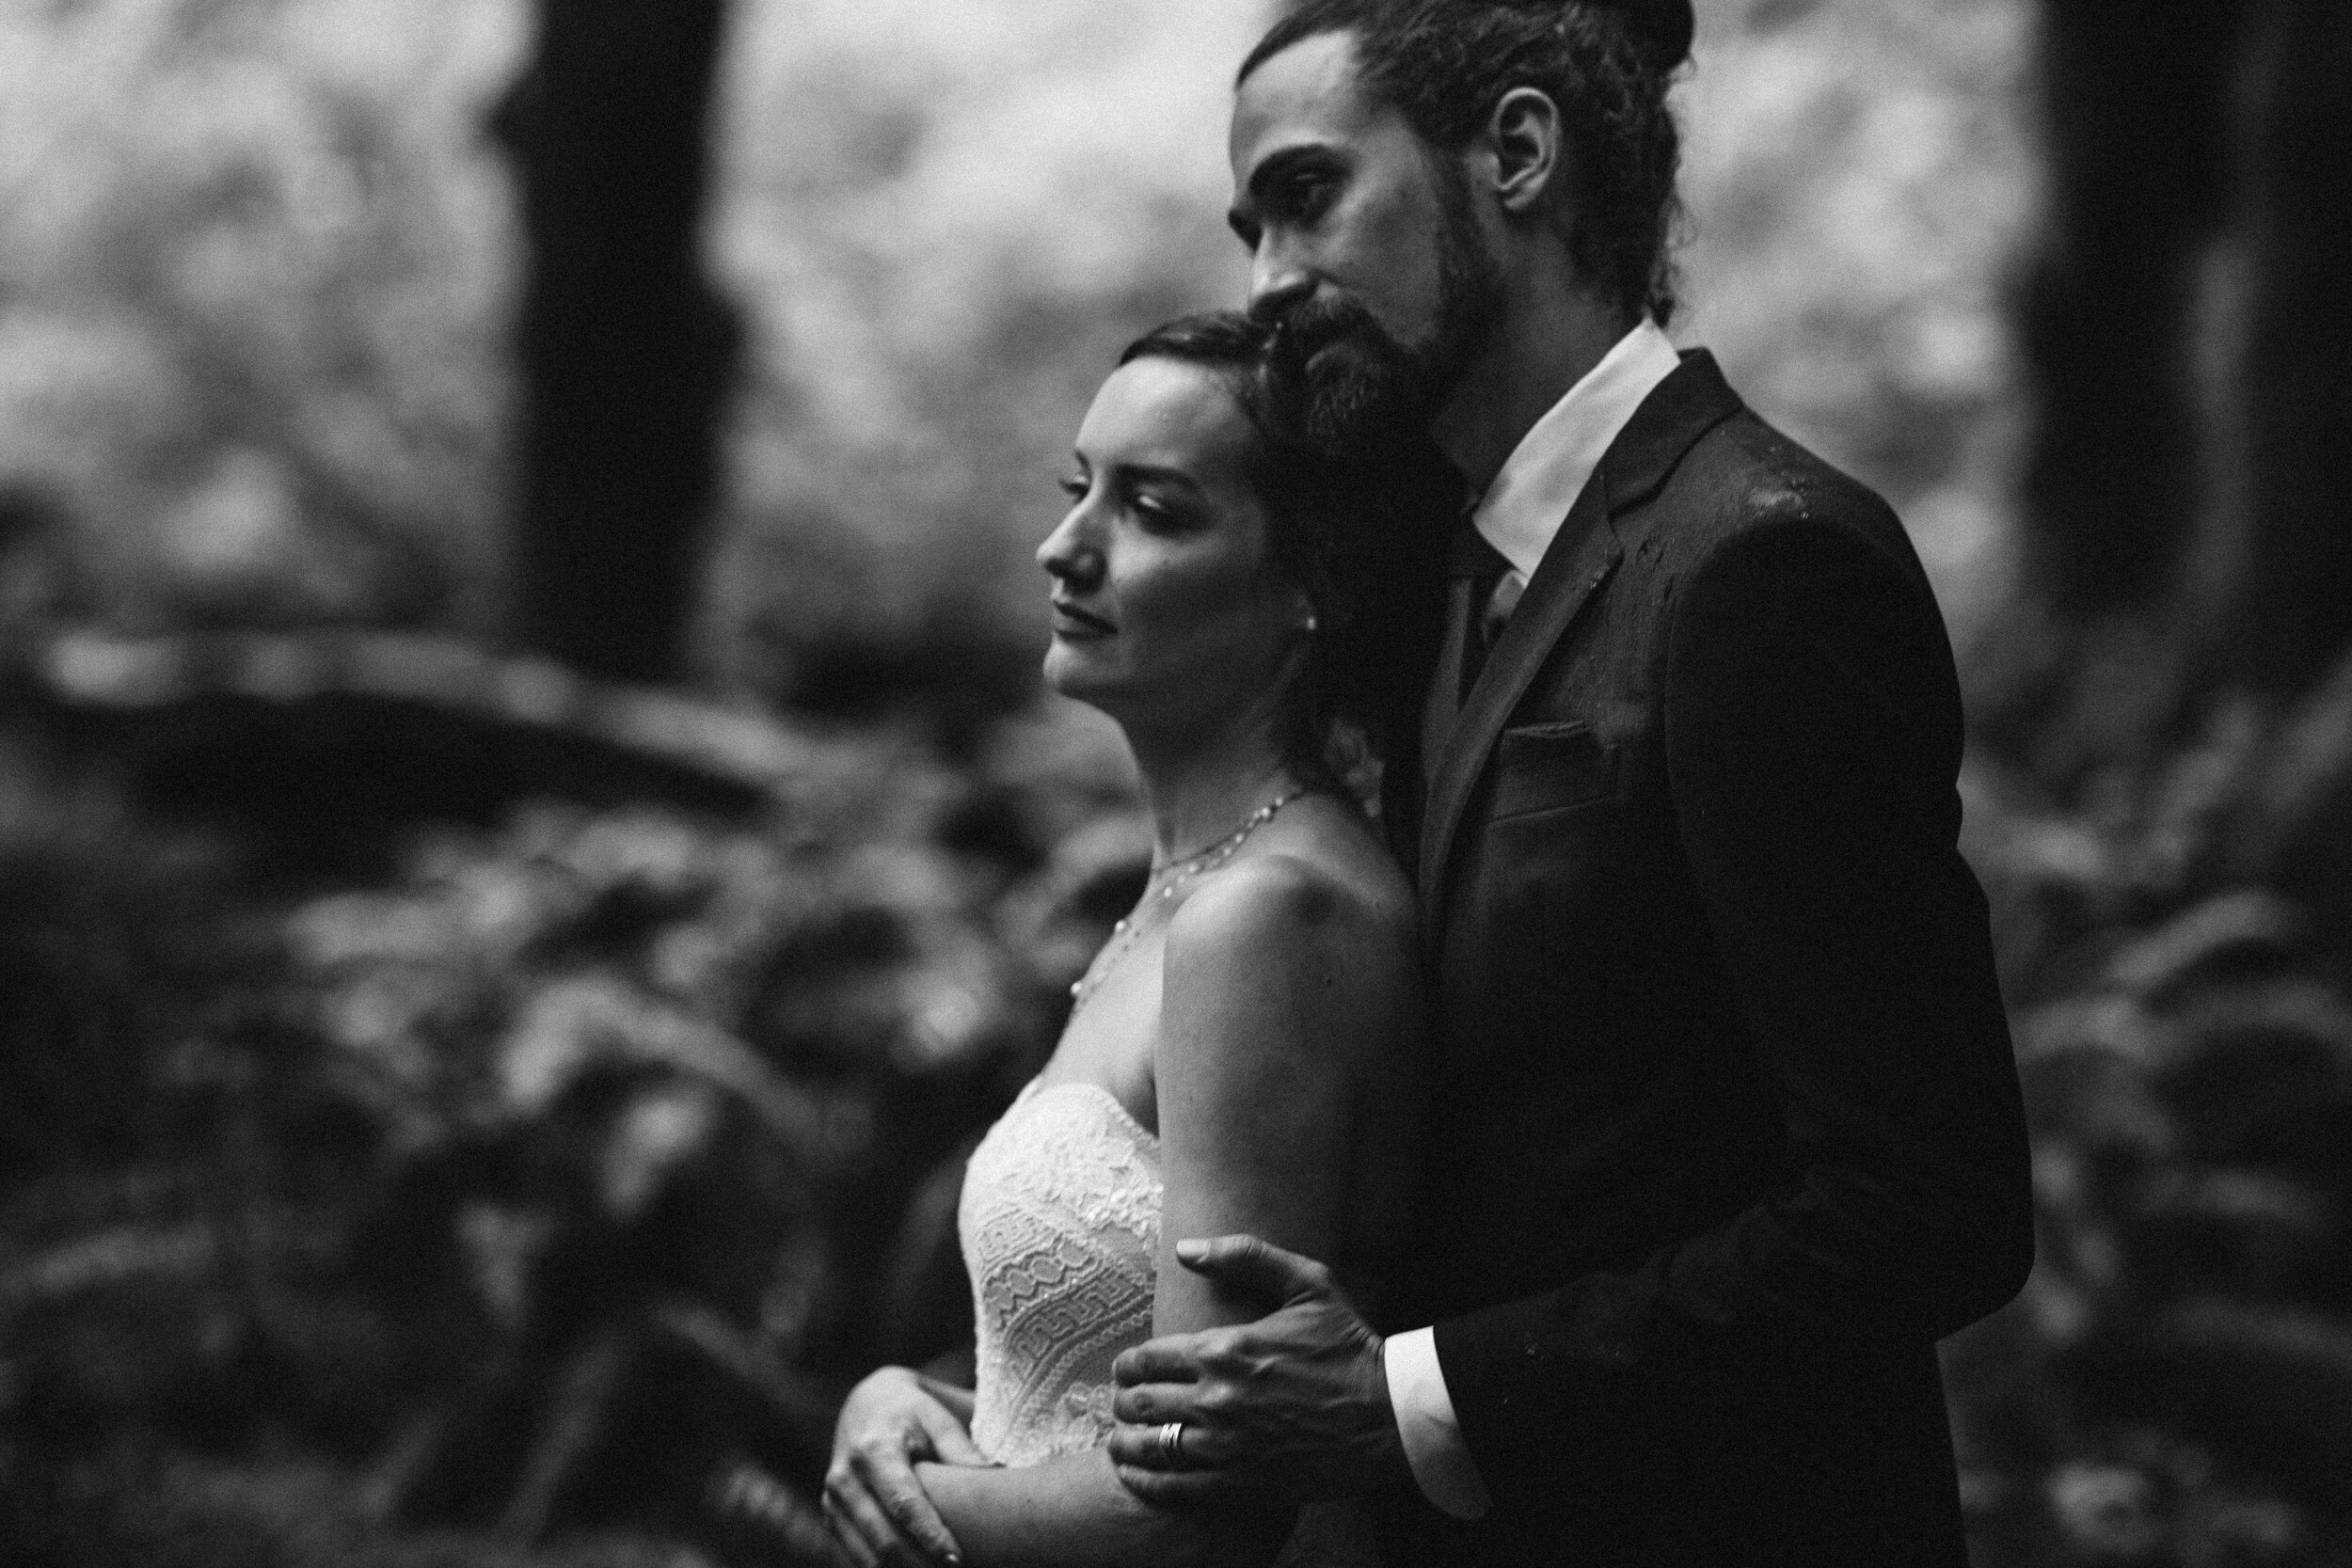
559,1182
2174,1388
252,267
1861,179
943,218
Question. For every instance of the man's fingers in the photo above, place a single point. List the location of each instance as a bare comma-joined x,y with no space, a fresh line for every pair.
1174,1358
1139,1447
1147,1404
1204,1447
951,1443
1253,1267
1181,1488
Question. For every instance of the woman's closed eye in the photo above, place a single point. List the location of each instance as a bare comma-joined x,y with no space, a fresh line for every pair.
1160,507
1155,512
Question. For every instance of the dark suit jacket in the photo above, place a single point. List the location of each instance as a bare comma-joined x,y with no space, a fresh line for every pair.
1726,1129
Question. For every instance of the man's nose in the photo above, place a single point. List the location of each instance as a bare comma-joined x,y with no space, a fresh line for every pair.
1277,283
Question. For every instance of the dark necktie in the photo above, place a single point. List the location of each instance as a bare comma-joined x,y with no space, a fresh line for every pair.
1481,603
1474,615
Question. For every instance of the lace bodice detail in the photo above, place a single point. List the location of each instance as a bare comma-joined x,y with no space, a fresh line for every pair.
1061,1227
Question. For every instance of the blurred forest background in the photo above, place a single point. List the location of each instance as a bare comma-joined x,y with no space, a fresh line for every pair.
529,842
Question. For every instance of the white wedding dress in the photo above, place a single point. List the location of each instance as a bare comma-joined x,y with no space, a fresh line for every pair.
1061,1225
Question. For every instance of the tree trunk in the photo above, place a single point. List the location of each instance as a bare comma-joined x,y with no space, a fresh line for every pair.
2274,569
2191,340
625,352
2137,187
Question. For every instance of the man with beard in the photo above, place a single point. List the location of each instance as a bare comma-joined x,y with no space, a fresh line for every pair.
1727,1126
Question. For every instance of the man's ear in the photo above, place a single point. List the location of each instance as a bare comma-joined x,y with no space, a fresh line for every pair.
1531,155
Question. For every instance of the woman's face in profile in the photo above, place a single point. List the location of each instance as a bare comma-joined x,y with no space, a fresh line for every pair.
1163,601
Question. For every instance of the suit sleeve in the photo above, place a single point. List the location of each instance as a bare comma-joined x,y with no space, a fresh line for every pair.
1813,739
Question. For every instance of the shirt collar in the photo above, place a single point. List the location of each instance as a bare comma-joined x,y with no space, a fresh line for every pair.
1539,482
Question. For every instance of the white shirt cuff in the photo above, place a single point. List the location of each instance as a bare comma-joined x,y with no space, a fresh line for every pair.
1424,1420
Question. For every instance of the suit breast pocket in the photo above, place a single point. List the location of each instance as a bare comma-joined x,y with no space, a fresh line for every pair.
1545,768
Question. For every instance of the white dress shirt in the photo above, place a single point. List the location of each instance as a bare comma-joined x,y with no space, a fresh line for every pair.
1518,515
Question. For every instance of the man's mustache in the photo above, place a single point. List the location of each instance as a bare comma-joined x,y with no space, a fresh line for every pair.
1371,395
1305,327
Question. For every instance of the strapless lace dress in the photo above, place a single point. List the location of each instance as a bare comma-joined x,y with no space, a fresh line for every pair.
1061,1227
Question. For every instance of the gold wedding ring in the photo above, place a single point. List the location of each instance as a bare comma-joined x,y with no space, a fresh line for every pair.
1172,1443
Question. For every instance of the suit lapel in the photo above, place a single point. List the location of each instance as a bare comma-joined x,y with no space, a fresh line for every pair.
1582,556
1687,405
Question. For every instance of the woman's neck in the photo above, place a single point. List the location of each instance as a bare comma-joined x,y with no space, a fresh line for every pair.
1201,788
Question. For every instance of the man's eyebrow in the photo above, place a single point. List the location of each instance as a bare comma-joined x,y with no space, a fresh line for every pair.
1277,166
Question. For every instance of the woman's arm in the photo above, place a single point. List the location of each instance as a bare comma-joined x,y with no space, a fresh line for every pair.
892,1418
1277,997
1281,988
1073,1512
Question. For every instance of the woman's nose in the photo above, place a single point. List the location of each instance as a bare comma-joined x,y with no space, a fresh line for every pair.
1069,554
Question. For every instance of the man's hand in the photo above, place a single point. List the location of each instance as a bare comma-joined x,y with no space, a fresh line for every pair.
879,1514
1294,1407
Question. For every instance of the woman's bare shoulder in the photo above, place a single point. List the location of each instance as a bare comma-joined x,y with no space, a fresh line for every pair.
1287,924
1292,894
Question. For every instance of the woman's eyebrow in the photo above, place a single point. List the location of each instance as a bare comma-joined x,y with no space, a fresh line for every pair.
1160,472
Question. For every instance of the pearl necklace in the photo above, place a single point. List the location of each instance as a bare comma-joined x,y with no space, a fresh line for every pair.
1127,932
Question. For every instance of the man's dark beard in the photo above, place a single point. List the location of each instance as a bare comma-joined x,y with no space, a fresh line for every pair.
1362,384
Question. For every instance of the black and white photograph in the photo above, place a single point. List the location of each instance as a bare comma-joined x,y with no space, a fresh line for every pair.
1175,783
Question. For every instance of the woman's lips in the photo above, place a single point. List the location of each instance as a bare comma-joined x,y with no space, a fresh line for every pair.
1070,621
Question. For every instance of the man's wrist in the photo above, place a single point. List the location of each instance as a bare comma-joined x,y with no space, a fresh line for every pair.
1426,1427
1390,1455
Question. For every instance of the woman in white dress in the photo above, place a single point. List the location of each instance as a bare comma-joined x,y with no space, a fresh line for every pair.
1243,1054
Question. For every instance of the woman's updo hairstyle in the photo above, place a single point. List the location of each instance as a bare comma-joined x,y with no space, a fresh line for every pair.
1358,527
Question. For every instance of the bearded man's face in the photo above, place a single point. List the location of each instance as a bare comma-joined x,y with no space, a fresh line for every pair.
1364,244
